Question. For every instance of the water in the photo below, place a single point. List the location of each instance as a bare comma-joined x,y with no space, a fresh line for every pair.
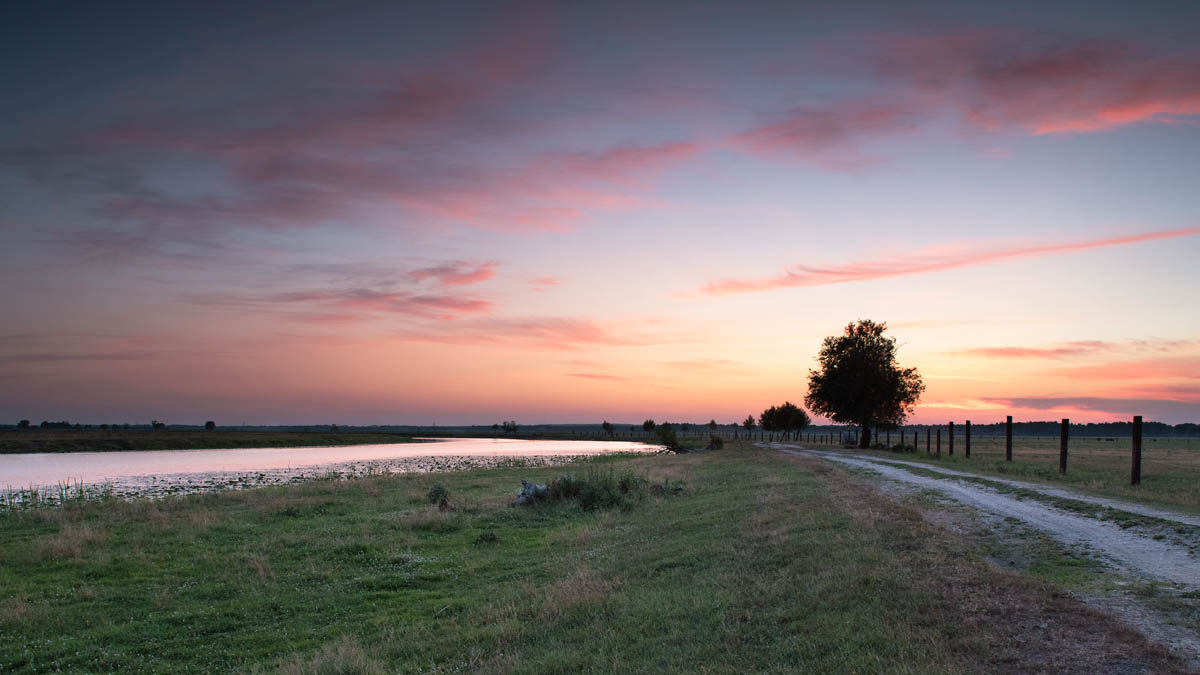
158,472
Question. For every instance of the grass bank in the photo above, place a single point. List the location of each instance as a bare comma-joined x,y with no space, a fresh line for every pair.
752,561
54,440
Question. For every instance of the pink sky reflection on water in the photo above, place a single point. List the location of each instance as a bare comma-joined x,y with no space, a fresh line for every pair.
30,469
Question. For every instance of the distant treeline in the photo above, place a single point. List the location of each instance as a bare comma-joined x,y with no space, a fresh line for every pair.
1040,428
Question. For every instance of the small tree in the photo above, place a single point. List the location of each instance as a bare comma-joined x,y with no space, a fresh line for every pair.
666,435
607,427
495,427
510,426
157,426
648,426
748,423
23,425
210,425
859,381
712,425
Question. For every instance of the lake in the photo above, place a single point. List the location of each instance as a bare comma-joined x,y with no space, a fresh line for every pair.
157,472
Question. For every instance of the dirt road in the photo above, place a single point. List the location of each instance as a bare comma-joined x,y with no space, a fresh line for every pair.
1137,554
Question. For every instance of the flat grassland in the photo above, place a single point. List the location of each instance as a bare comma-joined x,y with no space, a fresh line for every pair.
751,561
98,440
1100,466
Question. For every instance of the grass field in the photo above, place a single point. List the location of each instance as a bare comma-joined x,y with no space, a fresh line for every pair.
762,563
1170,466
96,440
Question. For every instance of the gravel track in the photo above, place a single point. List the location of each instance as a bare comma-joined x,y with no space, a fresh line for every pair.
1134,553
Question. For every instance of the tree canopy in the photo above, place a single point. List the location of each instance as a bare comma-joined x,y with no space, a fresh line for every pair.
860,382
787,417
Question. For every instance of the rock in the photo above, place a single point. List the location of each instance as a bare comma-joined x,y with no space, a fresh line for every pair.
530,493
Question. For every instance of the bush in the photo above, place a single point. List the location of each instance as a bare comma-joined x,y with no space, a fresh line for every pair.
438,495
598,489
665,433
715,443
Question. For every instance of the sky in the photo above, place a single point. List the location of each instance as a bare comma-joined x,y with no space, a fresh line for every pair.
458,213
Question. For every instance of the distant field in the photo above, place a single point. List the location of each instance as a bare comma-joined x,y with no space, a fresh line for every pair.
97,440
1170,466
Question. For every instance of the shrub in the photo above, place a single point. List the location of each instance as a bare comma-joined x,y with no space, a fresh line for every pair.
438,495
665,433
599,489
715,443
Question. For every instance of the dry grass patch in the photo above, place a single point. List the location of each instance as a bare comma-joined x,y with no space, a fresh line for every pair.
70,542
344,656
18,611
261,567
583,588
428,519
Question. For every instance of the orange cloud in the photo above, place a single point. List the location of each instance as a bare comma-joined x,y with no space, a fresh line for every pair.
929,261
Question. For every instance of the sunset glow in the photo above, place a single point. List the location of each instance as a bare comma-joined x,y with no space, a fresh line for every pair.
428,214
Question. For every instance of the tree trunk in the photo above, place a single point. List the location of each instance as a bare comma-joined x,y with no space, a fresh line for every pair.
864,441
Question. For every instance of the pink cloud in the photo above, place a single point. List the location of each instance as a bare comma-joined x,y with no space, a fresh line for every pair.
1078,348
920,262
1126,407
456,273
828,136
600,376
544,283
544,332
1051,85
348,304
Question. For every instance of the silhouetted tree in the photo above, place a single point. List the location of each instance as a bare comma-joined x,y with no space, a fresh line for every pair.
748,423
859,381
712,425
510,426
648,425
607,427
495,427
157,426
23,424
665,433
210,425
787,417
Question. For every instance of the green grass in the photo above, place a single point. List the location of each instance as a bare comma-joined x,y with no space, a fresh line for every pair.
1170,467
95,440
758,564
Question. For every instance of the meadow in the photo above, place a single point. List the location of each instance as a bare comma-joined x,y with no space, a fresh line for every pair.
725,561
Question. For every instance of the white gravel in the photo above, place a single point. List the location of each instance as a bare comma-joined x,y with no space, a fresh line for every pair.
1134,553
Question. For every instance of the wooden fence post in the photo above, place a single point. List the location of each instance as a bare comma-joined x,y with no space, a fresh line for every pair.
1062,446
1008,439
928,434
939,441
889,438
967,449
951,439
1135,472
